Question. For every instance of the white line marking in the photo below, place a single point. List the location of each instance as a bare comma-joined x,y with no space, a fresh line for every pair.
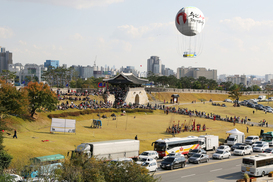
216,170
188,176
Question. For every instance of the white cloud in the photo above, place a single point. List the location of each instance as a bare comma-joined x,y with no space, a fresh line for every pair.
22,42
147,32
5,33
248,24
78,4
76,36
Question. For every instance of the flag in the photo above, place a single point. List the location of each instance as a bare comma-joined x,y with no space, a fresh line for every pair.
99,84
66,85
104,84
23,82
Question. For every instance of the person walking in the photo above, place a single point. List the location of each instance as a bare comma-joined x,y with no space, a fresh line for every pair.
247,129
136,137
15,134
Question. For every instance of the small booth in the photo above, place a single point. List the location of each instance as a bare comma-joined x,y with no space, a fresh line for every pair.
175,98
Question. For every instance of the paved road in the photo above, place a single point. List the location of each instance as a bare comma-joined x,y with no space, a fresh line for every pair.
225,170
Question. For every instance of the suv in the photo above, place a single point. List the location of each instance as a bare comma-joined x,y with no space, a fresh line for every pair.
196,151
173,162
150,153
147,159
242,150
251,139
236,145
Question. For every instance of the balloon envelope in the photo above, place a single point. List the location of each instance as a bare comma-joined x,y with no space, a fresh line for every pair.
190,21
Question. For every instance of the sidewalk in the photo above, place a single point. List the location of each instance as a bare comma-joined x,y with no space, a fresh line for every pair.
265,179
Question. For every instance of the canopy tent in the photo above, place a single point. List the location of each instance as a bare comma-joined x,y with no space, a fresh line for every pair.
235,132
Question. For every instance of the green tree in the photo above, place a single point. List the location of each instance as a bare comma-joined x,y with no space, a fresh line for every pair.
81,169
8,75
40,97
14,101
5,160
235,94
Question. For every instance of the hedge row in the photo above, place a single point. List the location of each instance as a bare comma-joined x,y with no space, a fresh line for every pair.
91,111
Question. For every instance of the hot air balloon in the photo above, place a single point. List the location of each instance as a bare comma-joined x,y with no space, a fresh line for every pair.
190,22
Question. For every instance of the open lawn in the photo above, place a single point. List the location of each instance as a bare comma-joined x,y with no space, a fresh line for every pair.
148,127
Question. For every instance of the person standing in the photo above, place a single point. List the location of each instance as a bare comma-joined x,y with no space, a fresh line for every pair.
136,137
15,134
247,129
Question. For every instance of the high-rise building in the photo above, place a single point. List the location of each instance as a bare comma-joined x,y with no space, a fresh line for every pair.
196,73
83,72
236,79
129,69
154,66
268,77
53,63
5,59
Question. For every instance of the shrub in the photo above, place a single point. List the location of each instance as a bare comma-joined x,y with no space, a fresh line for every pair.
246,176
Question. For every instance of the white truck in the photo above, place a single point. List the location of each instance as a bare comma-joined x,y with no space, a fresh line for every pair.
112,149
235,138
262,98
209,142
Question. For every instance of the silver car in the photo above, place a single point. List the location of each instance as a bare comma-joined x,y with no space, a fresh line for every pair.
221,154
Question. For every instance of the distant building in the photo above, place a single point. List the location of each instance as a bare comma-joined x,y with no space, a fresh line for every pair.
236,79
129,69
32,71
5,59
222,78
154,66
83,72
196,73
53,63
268,77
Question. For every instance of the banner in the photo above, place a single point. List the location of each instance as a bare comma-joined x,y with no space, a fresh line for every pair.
63,125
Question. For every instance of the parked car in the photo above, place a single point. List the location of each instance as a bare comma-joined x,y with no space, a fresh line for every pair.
260,148
150,165
224,147
16,177
142,160
173,162
259,143
150,153
228,100
268,150
173,155
196,151
221,154
235,146
251,139
242,150
198,158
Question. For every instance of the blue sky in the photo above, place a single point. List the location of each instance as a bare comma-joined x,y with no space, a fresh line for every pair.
238,35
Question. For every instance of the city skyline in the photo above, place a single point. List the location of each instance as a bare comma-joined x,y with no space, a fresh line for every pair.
127,33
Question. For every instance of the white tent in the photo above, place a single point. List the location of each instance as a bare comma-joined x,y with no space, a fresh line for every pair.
235,132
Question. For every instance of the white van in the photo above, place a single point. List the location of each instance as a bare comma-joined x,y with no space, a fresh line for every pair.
251,139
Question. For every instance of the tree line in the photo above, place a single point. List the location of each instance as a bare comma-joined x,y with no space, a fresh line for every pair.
199,83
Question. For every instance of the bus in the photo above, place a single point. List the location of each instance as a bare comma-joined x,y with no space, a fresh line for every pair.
44,165
176,145
268,137
258,165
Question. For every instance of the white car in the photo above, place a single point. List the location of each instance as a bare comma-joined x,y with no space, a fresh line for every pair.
221,154
224,147
242,150
142,160
259,143
15,177
252,139
150,153
173,155
228,100
151,166
260,148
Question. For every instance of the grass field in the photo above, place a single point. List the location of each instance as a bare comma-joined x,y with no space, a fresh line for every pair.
148,127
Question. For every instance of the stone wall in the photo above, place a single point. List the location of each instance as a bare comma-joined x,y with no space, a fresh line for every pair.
200,91
136,95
